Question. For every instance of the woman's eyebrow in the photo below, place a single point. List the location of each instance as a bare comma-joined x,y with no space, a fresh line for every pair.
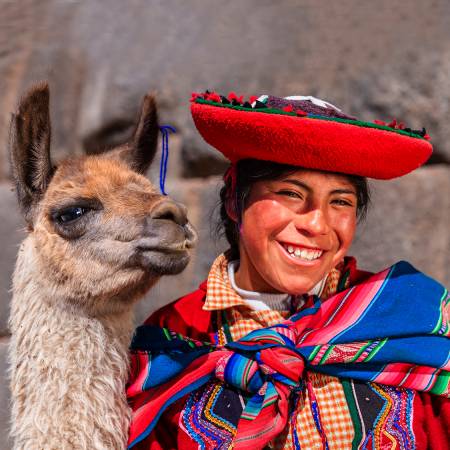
308,188
343,191
299,184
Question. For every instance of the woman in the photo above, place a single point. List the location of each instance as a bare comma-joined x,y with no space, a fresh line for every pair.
287,344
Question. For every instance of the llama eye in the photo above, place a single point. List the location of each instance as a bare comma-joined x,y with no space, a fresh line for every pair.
71,214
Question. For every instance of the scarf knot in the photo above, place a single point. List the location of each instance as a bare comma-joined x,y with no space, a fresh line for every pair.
262,358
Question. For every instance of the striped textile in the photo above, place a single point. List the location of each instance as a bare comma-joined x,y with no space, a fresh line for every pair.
379,331
234,320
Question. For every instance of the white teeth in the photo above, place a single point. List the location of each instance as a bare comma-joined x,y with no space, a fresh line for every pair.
303,253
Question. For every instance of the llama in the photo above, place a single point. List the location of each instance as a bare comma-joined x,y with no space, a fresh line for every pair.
99,236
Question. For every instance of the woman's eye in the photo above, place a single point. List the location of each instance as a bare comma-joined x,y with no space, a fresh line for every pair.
71,214
342,202
288,193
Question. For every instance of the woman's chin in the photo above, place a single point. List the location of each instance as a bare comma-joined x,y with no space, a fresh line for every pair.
299,280
292,283
298,288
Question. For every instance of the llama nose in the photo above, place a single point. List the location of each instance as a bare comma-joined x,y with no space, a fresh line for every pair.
170,210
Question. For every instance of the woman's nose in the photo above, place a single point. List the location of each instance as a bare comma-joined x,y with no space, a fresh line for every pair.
313,222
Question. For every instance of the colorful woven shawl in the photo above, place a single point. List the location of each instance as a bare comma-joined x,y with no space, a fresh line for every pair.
393,329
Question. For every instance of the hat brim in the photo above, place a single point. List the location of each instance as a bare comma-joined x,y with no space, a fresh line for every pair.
349,147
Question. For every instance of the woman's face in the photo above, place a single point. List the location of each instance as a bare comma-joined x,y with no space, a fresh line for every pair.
294,230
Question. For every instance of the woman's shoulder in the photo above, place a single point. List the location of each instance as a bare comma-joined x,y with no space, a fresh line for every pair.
185,315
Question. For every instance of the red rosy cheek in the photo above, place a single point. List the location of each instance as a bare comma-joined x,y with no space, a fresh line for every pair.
268,212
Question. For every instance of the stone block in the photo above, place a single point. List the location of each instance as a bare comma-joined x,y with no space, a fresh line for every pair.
418,101
100,61
409,219
11,233
5,442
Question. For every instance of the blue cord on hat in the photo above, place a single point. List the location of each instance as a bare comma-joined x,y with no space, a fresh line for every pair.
165,129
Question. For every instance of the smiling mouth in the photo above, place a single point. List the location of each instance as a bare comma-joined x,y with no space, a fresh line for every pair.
302,253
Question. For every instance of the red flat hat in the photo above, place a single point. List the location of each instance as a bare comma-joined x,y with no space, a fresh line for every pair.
307,132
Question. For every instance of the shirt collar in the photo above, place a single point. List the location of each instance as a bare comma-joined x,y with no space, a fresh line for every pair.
220,295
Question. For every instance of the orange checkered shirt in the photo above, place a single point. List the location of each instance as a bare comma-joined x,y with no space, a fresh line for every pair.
236,319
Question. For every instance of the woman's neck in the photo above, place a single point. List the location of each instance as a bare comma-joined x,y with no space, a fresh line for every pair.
258,300
265,300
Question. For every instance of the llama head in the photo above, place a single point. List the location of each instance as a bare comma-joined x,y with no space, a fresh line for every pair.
101,233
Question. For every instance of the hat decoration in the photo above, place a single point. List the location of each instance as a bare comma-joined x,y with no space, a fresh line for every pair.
307,132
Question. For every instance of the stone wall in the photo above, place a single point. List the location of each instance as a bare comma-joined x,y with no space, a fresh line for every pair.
379,60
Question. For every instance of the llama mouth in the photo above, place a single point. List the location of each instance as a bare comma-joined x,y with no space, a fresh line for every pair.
167,251
175,248
170,239
162,261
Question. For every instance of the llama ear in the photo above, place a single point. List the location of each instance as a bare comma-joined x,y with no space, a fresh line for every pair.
141,151
29,145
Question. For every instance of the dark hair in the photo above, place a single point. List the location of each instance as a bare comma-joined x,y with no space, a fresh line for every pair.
250,171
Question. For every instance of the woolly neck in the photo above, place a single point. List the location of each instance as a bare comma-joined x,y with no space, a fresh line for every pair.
263,301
